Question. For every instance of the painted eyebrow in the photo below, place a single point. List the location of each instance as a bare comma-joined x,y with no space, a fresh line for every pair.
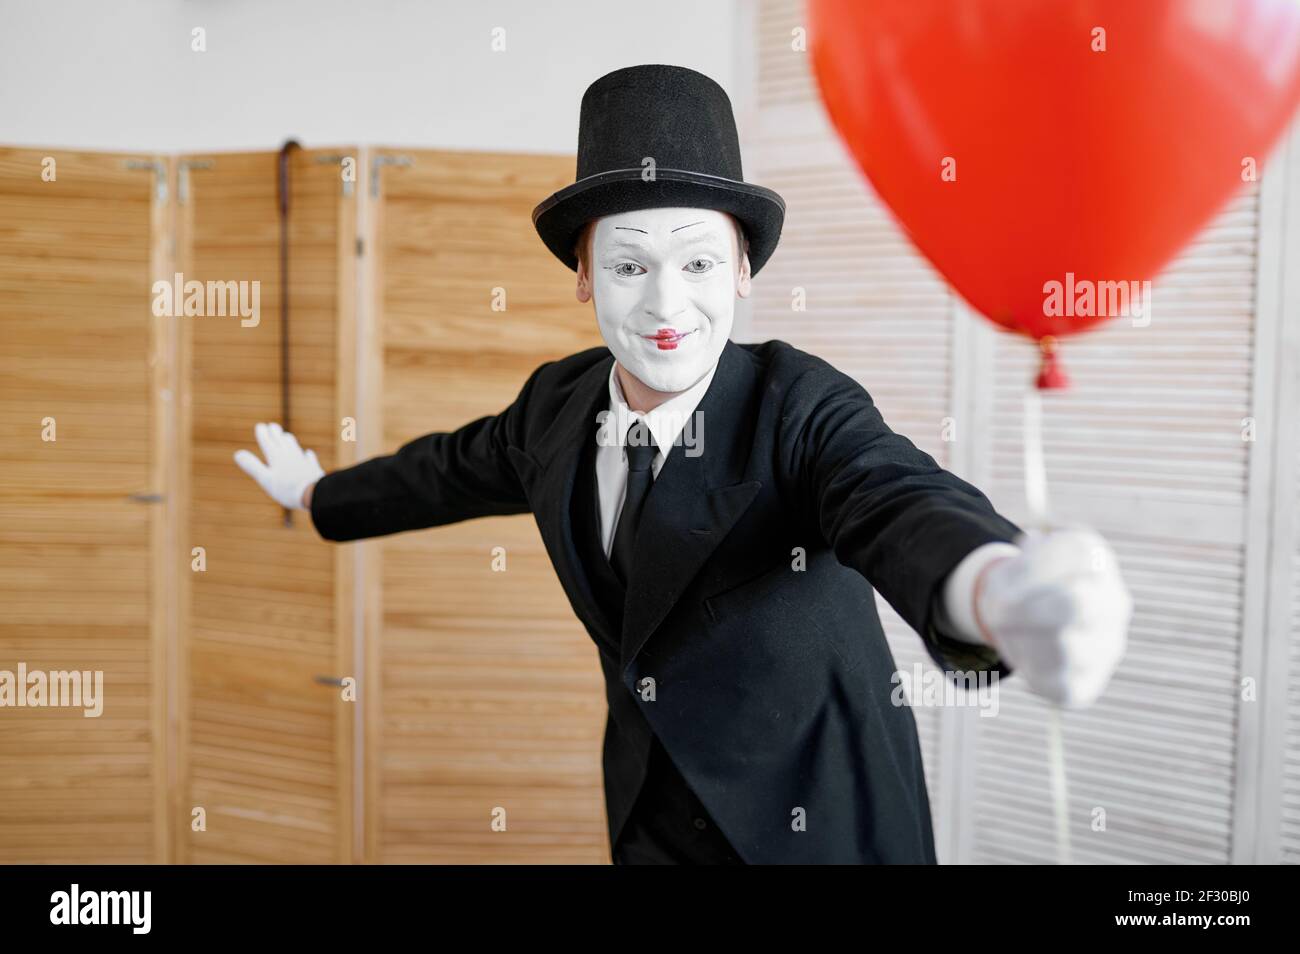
713,235
628,228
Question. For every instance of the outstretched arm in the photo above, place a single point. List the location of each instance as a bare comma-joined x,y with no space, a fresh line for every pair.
982,594
432,480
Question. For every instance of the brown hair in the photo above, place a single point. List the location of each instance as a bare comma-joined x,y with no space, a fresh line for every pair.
582,246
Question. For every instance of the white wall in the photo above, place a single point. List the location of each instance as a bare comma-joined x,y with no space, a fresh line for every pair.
121,75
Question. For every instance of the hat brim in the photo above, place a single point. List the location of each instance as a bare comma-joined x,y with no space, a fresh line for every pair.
560,218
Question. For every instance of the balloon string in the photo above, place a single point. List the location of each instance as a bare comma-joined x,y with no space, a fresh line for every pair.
1036,499
1060,795
1035,465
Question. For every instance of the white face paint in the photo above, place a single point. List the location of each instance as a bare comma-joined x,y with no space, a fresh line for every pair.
664,281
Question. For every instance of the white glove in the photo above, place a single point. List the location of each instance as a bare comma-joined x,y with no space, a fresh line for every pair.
288,471
1057,610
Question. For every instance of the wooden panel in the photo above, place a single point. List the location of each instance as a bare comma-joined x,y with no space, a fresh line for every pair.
489,691
77,560
266,748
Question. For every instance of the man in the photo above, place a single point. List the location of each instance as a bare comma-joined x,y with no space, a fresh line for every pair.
719,515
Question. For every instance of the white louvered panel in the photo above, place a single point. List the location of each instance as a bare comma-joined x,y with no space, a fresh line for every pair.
1156,754
1156,410
874,308
1276,837
1147,447
875,311
1290,808
783,76
878,313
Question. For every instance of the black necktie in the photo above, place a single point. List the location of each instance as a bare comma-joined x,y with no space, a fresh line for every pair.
640,455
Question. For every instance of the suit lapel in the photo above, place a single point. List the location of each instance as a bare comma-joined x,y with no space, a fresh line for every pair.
692,505
556,459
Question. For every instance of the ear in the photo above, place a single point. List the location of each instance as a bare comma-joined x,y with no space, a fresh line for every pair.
583,290
743,279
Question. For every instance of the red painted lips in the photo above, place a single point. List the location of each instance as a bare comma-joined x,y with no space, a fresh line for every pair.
666,339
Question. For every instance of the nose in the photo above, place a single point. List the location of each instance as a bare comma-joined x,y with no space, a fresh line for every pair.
665,298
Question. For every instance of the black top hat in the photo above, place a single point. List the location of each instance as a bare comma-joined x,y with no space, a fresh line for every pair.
681,120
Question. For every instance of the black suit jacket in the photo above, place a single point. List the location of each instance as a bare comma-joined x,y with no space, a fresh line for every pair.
768,680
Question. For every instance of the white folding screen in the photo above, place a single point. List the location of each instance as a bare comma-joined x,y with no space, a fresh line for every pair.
1178,442
884,319
846,284
1278,755
1147,447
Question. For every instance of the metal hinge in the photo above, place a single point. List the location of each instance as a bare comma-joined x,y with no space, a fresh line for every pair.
378,163
183,176
146,498
337,159
159,175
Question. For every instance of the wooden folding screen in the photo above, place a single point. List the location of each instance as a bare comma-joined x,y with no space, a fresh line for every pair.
267,745
485,696
82,574
270,696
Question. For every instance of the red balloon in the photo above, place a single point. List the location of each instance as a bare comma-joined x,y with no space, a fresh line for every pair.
1023,143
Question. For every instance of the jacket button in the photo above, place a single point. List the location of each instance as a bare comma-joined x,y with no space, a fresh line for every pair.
701,824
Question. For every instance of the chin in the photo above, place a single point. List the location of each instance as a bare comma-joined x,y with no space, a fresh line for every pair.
677,380
671,374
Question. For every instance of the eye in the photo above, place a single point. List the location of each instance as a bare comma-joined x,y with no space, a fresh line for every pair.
698,266
623,268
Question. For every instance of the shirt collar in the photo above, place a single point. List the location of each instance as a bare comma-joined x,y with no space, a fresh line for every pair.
667,421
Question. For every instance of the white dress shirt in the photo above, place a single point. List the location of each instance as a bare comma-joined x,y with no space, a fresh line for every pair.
666,423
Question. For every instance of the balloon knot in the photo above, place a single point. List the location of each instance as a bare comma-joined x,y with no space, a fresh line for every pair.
1051,376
